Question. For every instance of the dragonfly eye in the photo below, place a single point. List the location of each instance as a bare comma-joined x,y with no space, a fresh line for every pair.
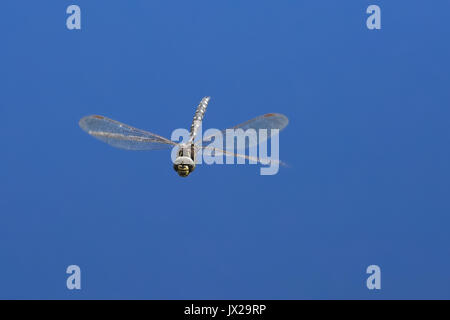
183,166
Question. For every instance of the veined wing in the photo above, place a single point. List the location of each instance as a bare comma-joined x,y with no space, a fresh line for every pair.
219,151
122,136
267,121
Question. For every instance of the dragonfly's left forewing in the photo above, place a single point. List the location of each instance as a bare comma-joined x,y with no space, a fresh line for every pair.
123,136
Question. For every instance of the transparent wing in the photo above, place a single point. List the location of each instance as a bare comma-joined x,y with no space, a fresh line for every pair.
219,151
267,121
122,136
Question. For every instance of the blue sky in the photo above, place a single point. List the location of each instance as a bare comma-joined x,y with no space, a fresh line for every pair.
367,145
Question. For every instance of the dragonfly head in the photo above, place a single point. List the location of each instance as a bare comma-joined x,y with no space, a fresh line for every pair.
183,170
183,166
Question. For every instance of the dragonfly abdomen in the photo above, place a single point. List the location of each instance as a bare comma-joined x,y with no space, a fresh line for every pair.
198,117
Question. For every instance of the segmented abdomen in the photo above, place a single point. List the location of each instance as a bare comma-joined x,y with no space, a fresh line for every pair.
198,117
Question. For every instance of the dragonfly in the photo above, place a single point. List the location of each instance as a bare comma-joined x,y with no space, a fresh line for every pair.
123,136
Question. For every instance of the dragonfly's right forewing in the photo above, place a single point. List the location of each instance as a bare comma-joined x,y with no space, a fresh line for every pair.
122,136
267,121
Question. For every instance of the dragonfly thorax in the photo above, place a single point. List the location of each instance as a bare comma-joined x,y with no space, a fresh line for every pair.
184,164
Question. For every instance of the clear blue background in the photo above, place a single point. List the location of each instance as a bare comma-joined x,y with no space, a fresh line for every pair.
367,143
